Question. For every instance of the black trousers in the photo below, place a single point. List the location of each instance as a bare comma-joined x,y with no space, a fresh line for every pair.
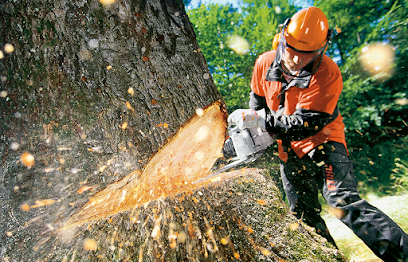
328,168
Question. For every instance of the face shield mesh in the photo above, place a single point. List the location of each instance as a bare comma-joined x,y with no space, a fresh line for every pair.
291,61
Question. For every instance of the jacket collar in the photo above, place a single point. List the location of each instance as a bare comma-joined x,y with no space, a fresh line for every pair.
275,73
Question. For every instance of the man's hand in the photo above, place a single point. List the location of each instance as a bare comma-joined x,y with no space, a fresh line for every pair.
247,118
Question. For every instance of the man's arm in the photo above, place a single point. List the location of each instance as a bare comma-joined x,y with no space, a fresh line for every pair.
257,102
301,124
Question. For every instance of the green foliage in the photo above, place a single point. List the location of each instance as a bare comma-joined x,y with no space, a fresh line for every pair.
400,175
373,164
353,22
213,25
373,103
260,24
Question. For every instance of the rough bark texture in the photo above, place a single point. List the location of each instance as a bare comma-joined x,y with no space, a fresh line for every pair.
90,92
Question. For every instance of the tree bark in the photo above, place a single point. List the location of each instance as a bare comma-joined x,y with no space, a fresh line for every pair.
88,95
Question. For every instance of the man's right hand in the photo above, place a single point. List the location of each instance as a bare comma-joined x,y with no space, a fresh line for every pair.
247,118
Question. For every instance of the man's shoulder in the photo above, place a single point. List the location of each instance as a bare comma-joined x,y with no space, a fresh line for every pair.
328,70
267,57
329,63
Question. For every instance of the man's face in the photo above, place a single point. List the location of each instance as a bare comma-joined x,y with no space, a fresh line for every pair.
294,61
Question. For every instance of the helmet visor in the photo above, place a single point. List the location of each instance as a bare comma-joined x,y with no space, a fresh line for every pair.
291,51
292,60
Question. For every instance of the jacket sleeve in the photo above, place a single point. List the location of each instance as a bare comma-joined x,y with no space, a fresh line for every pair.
257,102
301,124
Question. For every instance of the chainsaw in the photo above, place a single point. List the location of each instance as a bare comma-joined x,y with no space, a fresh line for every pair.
241,147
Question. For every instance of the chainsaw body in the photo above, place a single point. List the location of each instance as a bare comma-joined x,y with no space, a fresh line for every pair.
243,146
247,142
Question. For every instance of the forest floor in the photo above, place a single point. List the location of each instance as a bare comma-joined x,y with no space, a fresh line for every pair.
354,249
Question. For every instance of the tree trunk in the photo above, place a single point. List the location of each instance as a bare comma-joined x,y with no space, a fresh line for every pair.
89,92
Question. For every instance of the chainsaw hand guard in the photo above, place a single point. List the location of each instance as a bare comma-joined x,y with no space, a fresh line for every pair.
247,118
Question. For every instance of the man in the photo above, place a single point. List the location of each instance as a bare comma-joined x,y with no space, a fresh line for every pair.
294,94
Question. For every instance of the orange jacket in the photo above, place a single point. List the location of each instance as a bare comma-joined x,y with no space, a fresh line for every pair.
304,111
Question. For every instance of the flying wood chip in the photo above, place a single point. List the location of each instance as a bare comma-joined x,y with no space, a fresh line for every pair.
188,156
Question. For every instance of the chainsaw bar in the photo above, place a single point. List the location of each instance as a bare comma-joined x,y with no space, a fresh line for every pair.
229,166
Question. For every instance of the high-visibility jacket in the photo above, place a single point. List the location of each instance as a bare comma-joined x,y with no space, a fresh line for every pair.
302,113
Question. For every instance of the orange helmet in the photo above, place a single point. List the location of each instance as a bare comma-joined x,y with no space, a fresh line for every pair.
306,35
308,30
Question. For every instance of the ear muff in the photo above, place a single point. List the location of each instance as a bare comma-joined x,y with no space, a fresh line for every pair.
275,41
